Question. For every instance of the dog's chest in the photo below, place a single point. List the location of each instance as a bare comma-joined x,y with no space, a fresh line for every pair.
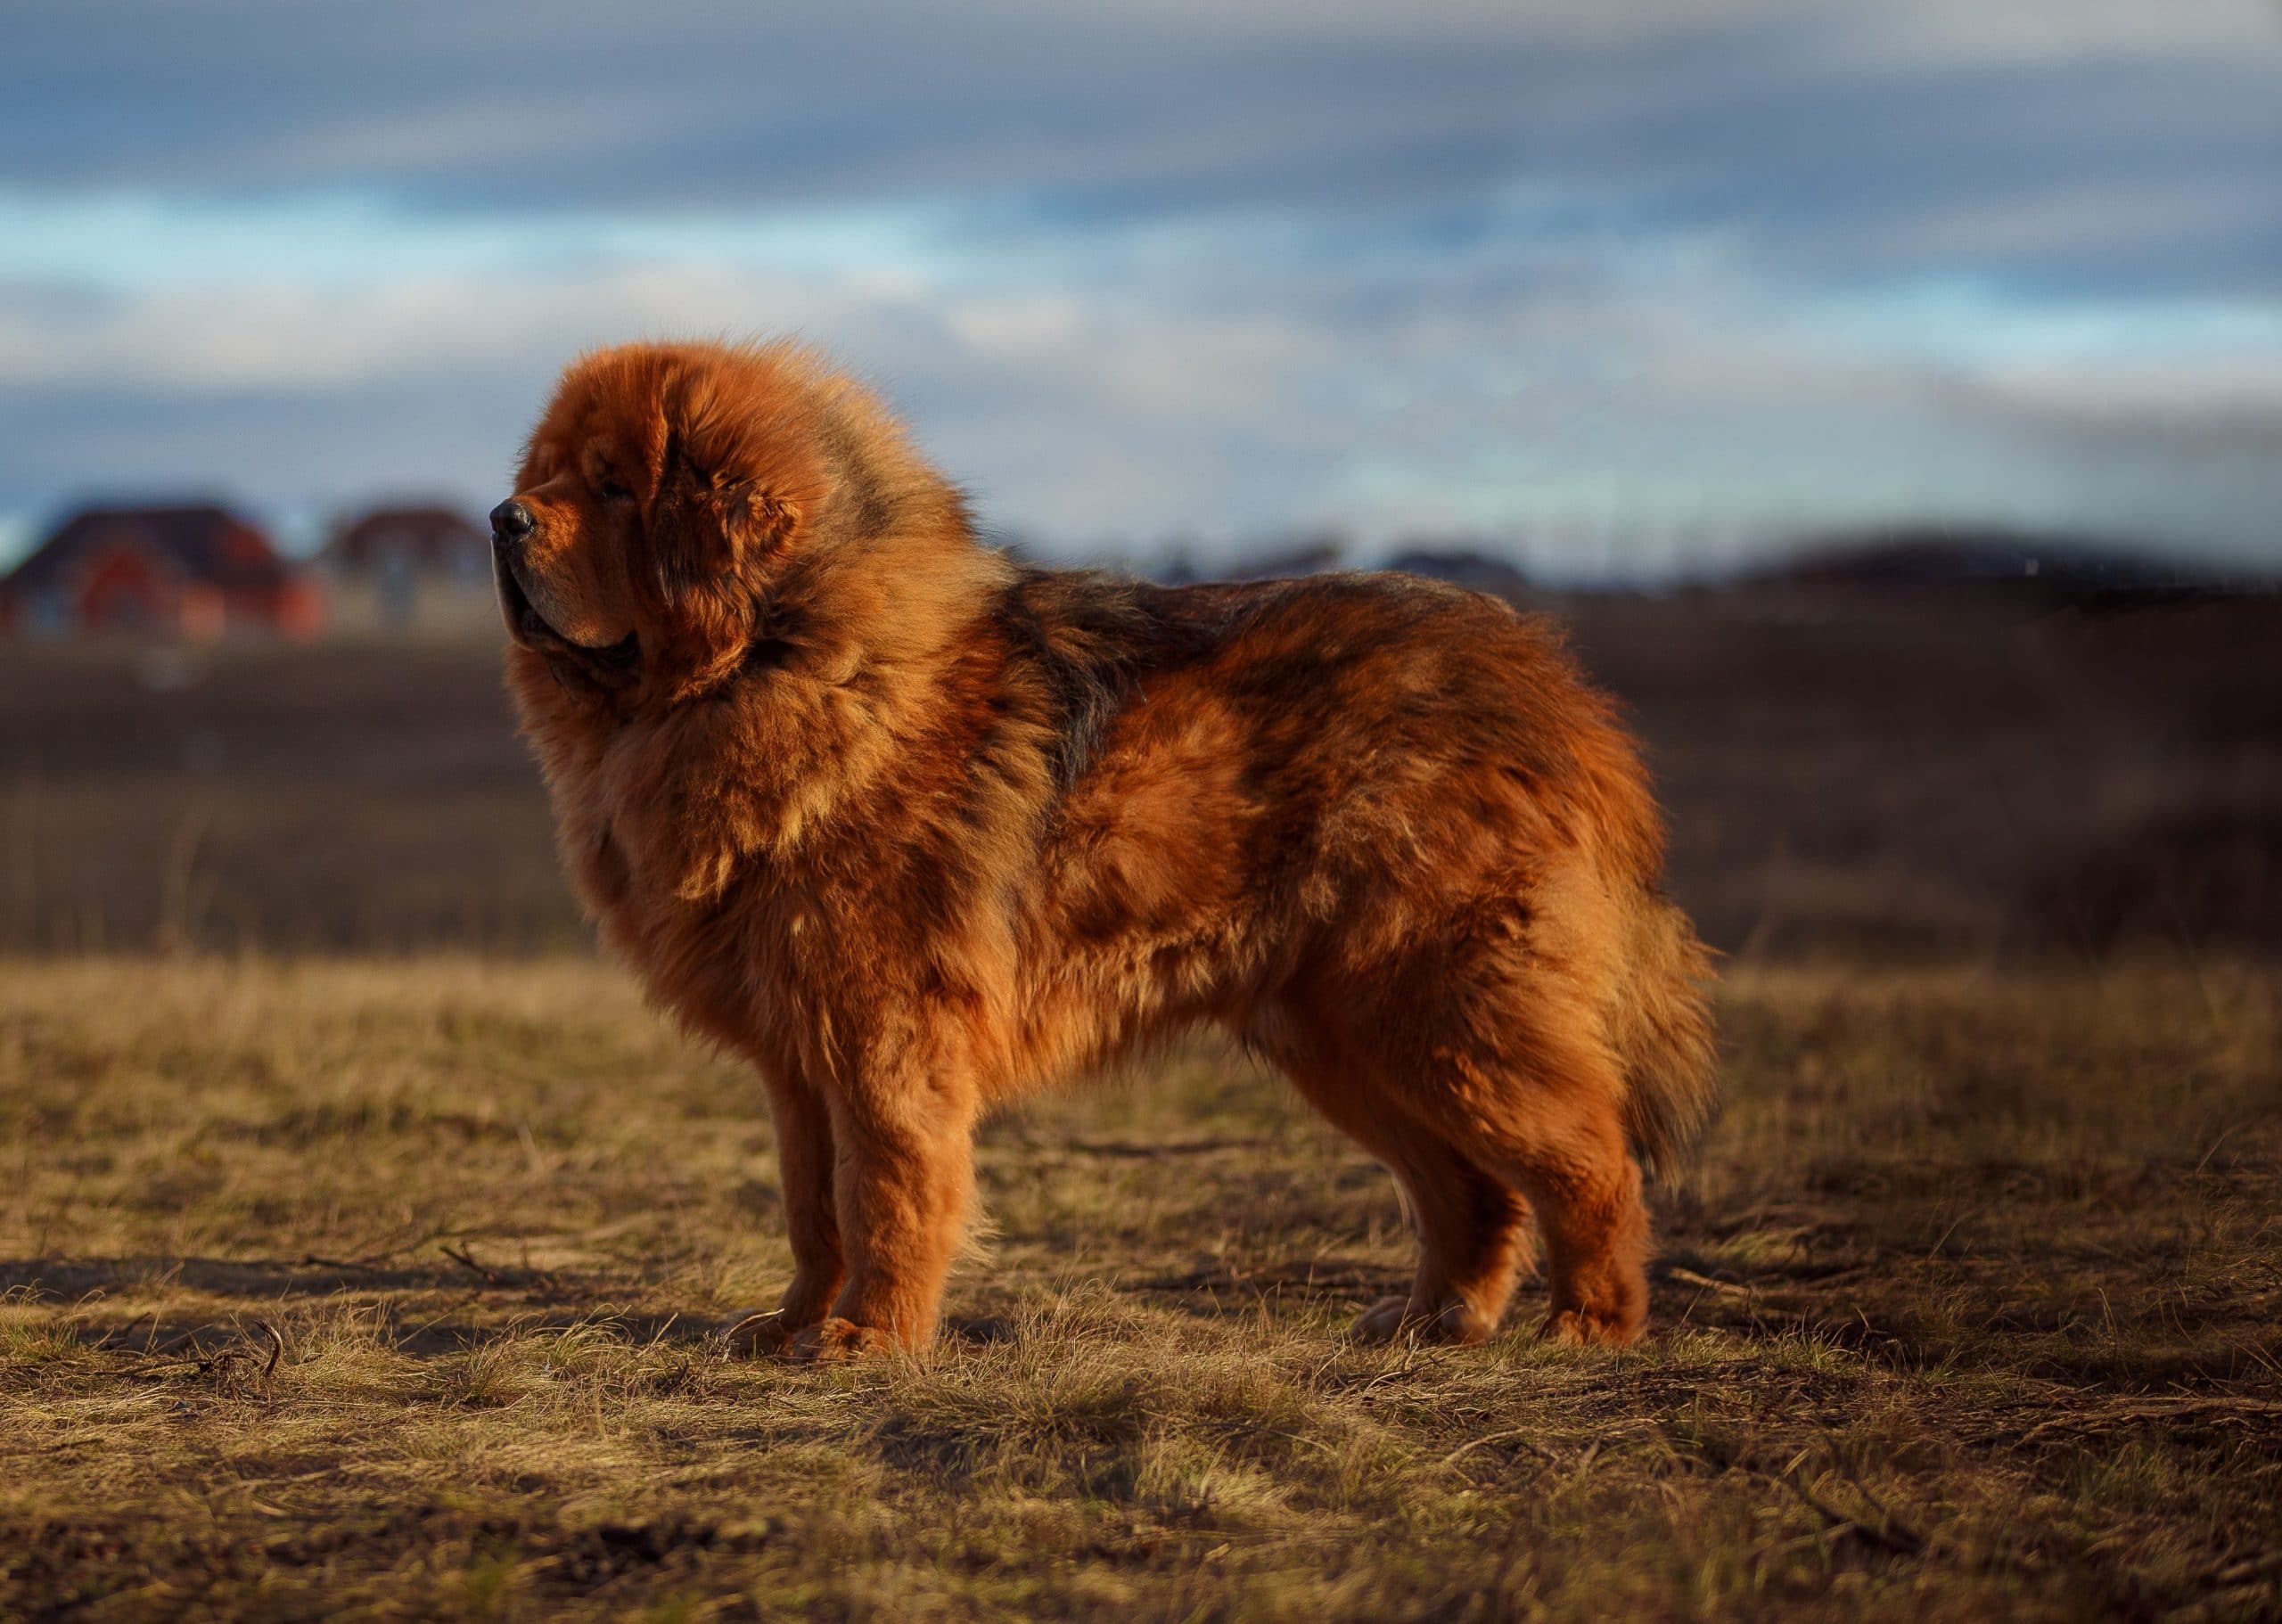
723,961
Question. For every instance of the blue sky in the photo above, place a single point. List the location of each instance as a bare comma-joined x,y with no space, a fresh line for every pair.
1631,289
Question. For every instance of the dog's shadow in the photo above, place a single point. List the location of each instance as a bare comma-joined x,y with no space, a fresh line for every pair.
74,1279
76,1287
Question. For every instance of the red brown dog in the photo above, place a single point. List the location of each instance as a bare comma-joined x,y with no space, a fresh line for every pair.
914,828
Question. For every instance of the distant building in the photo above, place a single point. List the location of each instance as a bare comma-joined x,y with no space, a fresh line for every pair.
420,541
395,551
195,571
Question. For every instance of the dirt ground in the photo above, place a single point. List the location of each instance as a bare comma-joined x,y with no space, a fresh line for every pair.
388,1290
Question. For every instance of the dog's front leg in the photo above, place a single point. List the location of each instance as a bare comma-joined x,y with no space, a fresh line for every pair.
804,1163
903,1179
804,1156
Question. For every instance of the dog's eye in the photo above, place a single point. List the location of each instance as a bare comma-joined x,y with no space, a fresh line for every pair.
611,490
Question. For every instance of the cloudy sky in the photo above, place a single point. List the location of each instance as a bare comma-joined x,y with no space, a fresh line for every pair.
1631,287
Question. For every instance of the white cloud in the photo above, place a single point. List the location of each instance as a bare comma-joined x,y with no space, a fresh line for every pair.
1655,389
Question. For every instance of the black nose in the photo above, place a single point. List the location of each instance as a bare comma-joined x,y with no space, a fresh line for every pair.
510,522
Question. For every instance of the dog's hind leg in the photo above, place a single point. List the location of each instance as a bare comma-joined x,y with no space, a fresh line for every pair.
1496,1041
1473,1229
1555,1129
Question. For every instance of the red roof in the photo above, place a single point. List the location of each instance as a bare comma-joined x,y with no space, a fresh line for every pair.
205,543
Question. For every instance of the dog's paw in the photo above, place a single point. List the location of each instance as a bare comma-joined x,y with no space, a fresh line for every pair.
833,1342
1393,1320
1583,1328
763,1335
1383,1321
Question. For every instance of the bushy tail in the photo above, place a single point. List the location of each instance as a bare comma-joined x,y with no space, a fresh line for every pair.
1662,1033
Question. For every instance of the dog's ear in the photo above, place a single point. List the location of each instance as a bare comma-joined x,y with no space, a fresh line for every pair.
706,529
708,532
739,474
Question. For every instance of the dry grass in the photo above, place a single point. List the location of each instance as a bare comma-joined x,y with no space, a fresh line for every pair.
1971,1311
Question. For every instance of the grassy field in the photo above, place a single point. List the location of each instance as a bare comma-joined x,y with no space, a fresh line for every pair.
388,1290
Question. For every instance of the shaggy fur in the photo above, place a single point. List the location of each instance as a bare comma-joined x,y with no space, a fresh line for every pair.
916,828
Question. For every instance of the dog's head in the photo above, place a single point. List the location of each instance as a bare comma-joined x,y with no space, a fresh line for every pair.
665,490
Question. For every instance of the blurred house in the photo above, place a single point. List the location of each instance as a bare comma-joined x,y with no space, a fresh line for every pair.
402,554
194,571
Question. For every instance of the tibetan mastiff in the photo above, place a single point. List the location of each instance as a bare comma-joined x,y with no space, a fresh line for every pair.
915,827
